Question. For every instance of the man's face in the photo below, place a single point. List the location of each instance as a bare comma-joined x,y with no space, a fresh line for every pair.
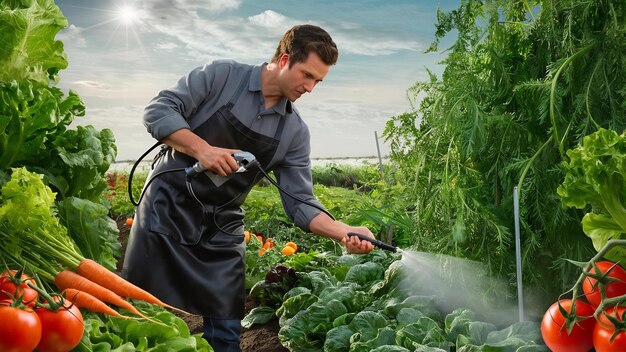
302,76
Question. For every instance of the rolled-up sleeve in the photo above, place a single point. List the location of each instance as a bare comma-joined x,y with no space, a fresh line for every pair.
170,110
294,175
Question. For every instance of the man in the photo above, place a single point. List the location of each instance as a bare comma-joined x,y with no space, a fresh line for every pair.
187,244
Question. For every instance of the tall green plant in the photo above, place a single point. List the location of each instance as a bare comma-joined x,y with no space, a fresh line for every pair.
34,124
523,82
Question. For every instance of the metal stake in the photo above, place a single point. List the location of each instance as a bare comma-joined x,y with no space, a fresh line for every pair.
518,255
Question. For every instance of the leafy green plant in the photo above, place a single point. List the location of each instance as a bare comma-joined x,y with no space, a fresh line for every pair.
523,82
595,176
168,333
34,124
366,309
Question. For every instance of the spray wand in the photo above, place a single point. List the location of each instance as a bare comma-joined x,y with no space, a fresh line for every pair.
375,242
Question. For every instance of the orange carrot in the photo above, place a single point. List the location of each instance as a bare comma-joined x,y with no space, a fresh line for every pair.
69,279
106,278
85,300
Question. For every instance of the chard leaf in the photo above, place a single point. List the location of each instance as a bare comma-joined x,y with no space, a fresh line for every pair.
258,315
338,339
294,304
364,274
408,316
398,349
367,324
423,332
93,231
384,337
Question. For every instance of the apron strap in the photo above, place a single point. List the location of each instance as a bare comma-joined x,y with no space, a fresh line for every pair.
195,123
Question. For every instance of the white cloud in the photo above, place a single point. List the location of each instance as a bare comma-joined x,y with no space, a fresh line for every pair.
222,5
269,19
74,35
92,84
169,45
374,46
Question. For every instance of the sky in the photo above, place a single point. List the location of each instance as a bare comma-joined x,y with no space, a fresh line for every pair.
121,53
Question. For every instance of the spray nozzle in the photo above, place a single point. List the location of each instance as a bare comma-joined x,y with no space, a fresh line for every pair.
374,241
245,160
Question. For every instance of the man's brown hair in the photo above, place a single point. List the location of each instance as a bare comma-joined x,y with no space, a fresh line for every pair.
301,40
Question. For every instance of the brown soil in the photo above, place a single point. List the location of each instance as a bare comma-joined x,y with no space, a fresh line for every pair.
259,338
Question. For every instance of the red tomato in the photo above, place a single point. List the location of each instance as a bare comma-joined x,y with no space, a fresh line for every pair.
21,329
129,222
61,330
11,286
612,288
554,329
604,330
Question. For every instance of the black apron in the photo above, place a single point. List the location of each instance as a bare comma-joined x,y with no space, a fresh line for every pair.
192,255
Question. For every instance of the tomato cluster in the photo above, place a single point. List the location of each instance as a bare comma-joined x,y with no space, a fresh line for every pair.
569,325
28,324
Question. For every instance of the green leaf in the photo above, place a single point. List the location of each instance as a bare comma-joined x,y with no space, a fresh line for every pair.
365,274
601,228
29,50
338,339
84,155
367,324
258,315
93,231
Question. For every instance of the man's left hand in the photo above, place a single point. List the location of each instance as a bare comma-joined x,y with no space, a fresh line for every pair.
354,245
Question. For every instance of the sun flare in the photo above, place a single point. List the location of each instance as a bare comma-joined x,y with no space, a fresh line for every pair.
127,15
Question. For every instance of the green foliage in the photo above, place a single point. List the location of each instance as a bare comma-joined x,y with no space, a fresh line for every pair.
34,121
347,176
93,231
369,311
258,262
596,177
168,333
523,82
116,194
31,115
265,214
29,51
38,242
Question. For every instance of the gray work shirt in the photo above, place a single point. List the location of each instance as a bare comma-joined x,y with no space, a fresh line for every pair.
204,90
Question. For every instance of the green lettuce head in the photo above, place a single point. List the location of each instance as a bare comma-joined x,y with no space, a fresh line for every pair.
595,179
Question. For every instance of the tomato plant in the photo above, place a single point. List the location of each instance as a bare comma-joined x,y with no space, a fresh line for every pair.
21,328
558,318
608,335
612,278
12,286
62,329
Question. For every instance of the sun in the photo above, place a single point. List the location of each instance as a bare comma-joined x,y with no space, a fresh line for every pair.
127,15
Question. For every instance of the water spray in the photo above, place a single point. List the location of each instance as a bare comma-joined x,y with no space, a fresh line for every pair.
376,243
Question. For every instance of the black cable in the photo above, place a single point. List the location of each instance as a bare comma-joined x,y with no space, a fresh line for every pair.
284,191
132,172
143,191
216,208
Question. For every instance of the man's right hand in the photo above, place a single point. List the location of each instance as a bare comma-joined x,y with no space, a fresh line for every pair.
219,160
215,159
